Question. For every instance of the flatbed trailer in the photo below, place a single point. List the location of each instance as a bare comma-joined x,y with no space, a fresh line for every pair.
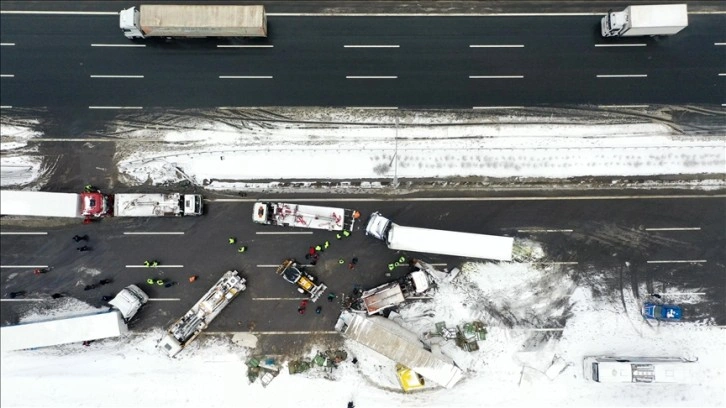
157,205
304,216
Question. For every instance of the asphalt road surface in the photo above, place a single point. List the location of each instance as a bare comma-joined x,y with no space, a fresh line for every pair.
81,61
664,243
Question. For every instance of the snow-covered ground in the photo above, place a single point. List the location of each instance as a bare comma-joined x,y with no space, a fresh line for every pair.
18,165
510,368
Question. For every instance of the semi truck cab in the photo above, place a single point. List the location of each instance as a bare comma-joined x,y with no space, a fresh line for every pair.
129,23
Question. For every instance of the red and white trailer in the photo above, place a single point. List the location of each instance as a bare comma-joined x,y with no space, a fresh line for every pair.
304,216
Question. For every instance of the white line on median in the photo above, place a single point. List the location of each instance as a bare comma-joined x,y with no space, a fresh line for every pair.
155,267
7,76
675,229
7,44
496,46
621,45
245,77
622,76
23,233
118,45
545,230
22,266
115,107
371,46
284,233
678,261
371,77
117,76
153,233
244,46
496,76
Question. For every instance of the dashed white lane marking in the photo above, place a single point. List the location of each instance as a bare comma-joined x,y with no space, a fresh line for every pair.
7,44
164,299
545,230
115,107
496,46
244,46
22,266
7,75
62,13
22,233
685,293
622,76
117,76
371,46
6,107
296,332
675,229
119,45
373,107
245,77
621,45
268,266
722,74
371,77
678,261
623,106
155,267
155,233
22,300
497,107
284,233
300,298
496,76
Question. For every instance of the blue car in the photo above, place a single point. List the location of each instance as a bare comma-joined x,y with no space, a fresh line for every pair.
662,312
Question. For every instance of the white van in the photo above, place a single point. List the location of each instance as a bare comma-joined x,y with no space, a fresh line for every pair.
639,369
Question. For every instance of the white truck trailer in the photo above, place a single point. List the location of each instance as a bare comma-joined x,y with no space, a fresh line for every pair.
188,21
157,205
662,19
191,325
44,204
78,328
434,241
304,216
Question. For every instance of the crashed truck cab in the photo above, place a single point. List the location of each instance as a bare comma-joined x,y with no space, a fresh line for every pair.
378,226
95,205
129,23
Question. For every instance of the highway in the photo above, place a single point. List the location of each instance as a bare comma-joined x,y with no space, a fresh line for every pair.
80,62
611,245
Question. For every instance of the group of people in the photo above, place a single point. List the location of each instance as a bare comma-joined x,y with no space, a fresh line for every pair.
79,238
102,282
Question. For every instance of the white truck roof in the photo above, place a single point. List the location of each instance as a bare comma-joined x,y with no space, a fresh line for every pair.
433,241
62,331
145,205
662,15
129,301
211,20
40,204
382,297
393,341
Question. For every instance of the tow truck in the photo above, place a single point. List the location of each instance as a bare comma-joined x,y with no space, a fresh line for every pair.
296,274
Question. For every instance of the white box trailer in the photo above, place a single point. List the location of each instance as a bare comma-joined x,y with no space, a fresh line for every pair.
193,21
76,329
662,19
434,241
40,204
157,205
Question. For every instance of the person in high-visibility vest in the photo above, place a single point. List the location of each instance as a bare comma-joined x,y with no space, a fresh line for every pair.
346,233
242,249
232,240
341,261
150,281
391,267
326,244
147,264
160,282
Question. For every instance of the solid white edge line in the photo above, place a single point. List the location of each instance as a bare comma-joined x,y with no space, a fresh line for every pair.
294,332
456,199
62,13
371,46
545,230
675,229
373,107
23,266
284,233
621,45
155,267
7,44
111,13
685,293
154,233
496,46
497,107
551,263
245,77
22,233
622,76
496,76
115,107
118,45
244,46
678,261
117,76
371,77
622,106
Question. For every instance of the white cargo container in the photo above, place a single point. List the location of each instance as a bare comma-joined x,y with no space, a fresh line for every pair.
78,328
193,21
664,19
434,241
157,205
